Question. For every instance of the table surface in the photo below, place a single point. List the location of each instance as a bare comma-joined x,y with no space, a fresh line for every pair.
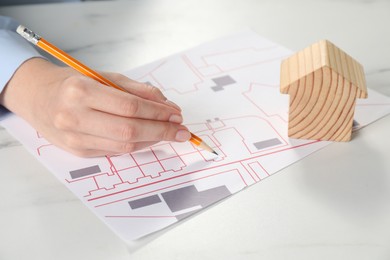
334,204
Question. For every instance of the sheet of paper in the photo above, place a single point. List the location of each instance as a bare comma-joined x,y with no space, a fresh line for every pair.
229,92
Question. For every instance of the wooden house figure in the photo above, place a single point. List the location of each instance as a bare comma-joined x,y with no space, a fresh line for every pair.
323,83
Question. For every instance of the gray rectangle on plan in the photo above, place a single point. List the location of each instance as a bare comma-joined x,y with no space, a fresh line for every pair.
147,201
188,197
224,80
267,143
85,171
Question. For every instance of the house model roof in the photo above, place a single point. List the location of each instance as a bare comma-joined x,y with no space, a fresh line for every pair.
319,55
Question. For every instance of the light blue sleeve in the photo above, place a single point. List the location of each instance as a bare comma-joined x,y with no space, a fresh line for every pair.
14,50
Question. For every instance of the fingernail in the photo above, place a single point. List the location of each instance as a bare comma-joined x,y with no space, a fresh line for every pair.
176,119
170,103
182,135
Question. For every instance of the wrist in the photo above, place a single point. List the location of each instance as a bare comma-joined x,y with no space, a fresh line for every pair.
23,90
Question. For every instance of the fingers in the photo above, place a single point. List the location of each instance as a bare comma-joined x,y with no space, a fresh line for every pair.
121,129
84,145
96,120
143,90
115,102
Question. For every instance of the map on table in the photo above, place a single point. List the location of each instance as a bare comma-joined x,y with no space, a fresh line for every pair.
228,90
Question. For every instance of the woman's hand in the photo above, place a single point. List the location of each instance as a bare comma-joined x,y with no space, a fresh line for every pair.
87,118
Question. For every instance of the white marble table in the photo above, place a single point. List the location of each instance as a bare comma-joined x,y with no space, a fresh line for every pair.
335,204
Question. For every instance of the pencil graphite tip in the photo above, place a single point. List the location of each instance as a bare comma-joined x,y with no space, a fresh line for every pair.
214,152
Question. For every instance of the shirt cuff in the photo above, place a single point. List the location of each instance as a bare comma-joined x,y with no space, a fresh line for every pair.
14,50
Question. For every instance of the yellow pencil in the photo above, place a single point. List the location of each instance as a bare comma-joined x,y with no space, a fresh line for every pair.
72,62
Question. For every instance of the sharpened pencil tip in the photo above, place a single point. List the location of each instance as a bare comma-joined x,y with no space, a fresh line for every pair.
214,152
